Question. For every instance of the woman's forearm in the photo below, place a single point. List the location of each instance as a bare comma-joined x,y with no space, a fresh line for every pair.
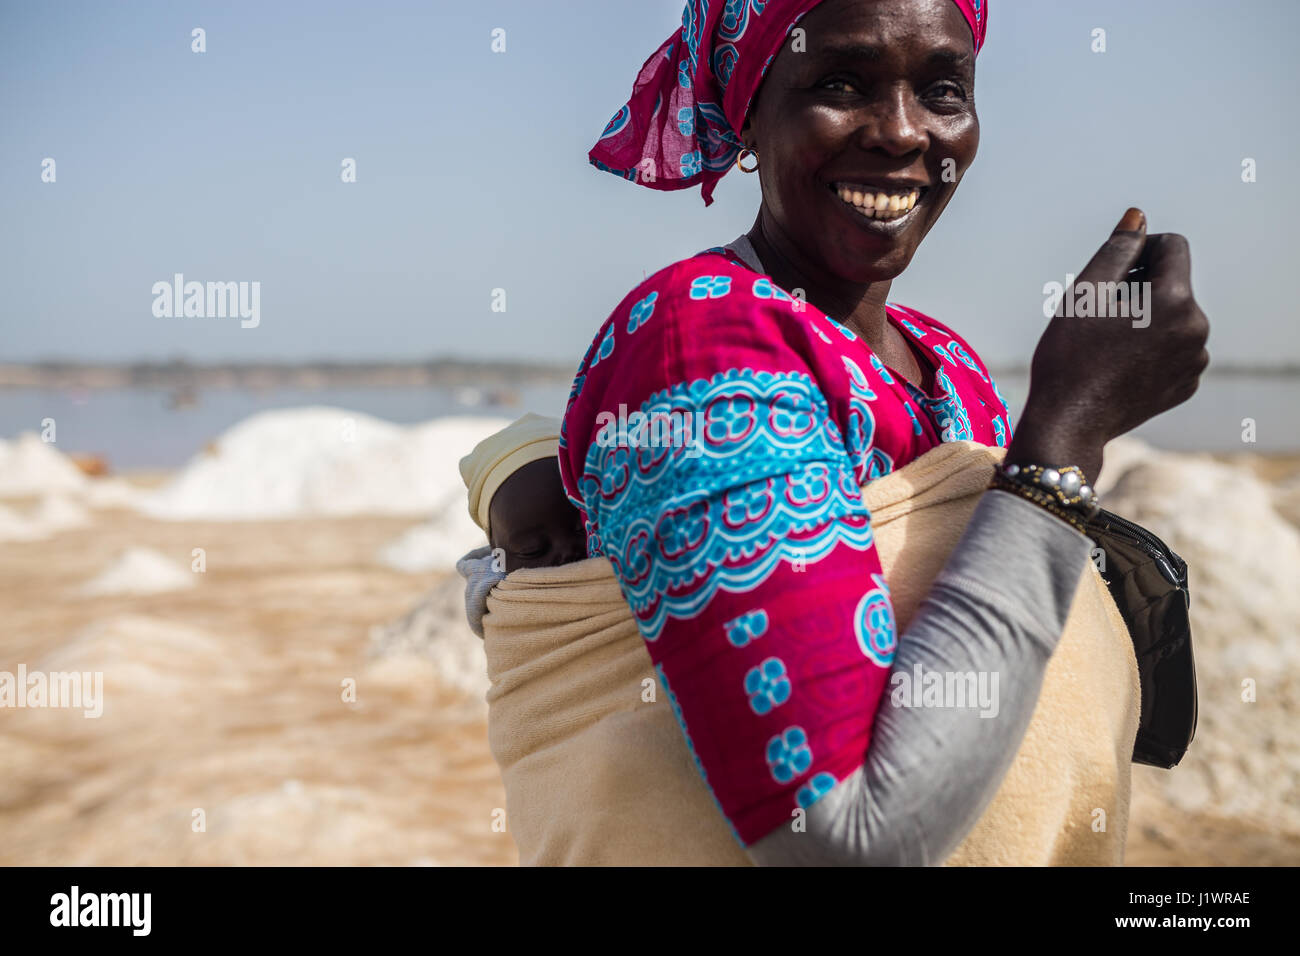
996,611
1054,430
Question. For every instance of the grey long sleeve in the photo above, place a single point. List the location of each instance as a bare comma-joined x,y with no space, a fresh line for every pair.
997,609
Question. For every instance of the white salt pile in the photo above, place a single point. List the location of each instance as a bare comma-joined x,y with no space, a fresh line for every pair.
1122,454
139,571
112,493
52,514
29,466
437,544
143,658
321,461
1243,560
436,629
16,527
59,512
1286,498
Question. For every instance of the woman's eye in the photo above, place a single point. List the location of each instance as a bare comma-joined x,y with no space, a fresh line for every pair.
949,91
837,85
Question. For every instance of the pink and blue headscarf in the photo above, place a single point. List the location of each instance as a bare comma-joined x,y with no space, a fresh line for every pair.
681,126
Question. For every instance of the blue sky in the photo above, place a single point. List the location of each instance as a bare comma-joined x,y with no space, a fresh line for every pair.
472,173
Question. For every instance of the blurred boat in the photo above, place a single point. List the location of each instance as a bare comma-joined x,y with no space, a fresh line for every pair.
94,466
183,397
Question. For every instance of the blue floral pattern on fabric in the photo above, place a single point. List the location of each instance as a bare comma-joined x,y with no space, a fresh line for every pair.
692,30
768,452
628,174
870,462
873,623
641,312
998,392
747,627
788,755
617,123
576,388
954,348
844,330
710,287
768,686
946,410
764,289
881,370
721,145
817,787
916,422
606,348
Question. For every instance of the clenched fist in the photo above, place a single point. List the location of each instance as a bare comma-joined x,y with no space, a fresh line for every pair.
1097,377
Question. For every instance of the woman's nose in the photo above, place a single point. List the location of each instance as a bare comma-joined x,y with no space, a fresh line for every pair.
893,125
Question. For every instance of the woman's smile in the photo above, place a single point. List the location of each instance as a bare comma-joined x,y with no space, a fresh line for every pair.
881,209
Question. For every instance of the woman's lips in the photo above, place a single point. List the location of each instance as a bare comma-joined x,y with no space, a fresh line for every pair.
878,203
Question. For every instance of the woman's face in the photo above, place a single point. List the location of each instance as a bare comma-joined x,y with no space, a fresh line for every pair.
879,103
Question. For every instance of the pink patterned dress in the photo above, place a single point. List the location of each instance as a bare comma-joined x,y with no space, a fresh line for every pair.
730,508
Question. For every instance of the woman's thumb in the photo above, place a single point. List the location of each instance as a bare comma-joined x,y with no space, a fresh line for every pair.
1120,252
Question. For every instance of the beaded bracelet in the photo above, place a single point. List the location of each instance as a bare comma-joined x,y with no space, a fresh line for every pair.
1073,517
1066,485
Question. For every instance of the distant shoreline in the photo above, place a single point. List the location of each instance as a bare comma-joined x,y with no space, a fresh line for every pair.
432,373
260,375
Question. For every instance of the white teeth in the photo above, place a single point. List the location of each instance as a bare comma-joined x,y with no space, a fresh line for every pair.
878,205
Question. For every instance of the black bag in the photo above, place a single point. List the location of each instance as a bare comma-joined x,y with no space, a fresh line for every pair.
1148,583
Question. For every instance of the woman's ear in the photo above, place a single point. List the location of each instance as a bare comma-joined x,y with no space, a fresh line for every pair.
747,134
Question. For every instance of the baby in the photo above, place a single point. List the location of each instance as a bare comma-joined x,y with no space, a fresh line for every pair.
517,498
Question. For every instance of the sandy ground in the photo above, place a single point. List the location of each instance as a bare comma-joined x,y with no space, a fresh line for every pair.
238,712
230,703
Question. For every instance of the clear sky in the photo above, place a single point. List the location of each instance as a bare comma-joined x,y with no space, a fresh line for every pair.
472,173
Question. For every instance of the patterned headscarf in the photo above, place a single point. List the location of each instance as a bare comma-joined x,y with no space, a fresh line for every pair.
692,96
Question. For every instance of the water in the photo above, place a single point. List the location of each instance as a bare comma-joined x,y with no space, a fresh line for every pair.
1212,420
135,429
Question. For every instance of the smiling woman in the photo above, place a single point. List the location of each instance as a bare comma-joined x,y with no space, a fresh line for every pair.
751,565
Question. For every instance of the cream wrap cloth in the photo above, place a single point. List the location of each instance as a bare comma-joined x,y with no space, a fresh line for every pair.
596,769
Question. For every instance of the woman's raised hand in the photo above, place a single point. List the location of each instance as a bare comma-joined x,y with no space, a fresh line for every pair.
1101,370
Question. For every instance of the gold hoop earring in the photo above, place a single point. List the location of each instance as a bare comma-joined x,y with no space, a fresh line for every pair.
740,160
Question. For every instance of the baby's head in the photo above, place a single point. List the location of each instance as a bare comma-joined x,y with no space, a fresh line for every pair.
517,497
